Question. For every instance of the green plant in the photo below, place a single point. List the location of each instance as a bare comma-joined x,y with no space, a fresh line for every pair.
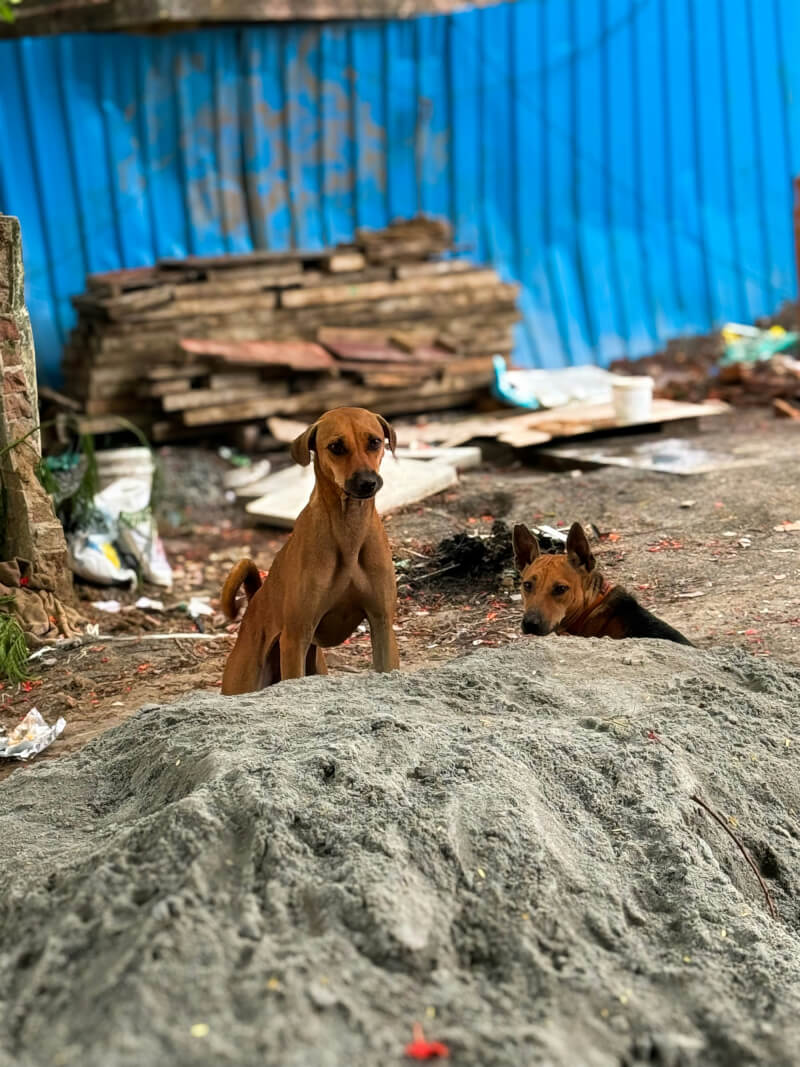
7,10
13,646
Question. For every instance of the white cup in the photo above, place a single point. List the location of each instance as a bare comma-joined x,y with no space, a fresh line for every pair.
632,398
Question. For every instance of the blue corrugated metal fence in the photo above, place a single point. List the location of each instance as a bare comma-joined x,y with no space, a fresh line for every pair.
629,161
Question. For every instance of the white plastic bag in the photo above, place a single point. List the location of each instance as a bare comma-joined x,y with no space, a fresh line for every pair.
92,556
127,503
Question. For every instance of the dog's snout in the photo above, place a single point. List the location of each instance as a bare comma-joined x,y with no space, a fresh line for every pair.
533,623
363,484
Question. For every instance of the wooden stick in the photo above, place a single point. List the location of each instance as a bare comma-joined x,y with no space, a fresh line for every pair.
718,818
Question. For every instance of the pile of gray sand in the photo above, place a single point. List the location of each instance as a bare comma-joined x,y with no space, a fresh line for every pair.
504,849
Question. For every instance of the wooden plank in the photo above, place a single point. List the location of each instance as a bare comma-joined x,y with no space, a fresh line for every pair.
338,294
410,371
317,279
194,399
497,298
461,458
190,370
169,385
386,353
234,285
299,355
220,305
451,434
111,283
113,405
231,379
437,266
410,340
533,428
405,481
125,303
243,260
346,260
52,17
425,395
577,419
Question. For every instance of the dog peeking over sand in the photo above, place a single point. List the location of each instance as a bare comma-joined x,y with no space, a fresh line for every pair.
567,594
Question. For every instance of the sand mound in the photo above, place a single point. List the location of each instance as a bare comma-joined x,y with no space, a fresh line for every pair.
496,848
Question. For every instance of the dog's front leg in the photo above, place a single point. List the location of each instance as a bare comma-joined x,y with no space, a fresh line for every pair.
385,656
294,649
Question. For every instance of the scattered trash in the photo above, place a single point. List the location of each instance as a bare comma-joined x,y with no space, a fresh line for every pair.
749,344
787,527
116,463
198,606
146,604
127,501
632,398
421,1049
243,476
236,459
93,557
550,540
536,389
669,455
743,365
111,606
687,503
30,736
119,520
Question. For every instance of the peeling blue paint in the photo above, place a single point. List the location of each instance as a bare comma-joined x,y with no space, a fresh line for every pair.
629,161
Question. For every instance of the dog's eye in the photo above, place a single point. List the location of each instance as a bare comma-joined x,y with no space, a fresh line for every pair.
373,444
559,589
338,448
527,586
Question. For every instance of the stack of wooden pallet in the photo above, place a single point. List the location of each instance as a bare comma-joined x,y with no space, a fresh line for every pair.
197,343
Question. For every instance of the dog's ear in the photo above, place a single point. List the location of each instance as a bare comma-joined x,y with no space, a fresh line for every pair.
388,429
578,552
302,446
526,547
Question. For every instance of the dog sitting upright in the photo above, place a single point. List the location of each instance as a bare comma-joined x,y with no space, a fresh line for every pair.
566,594
334,571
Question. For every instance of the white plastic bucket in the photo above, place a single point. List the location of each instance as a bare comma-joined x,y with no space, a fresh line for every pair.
117,463
632,398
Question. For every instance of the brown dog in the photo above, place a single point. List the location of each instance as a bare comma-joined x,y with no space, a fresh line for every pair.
334,571
567,594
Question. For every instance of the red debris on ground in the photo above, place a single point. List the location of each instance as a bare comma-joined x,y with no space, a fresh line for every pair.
420,1049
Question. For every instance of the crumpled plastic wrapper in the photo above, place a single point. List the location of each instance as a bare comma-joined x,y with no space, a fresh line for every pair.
30,736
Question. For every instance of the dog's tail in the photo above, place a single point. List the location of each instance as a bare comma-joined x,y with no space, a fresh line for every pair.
245,571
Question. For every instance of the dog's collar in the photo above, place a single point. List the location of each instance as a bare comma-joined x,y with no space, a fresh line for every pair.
576,624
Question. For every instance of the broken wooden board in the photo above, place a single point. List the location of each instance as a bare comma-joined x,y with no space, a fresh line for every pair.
298,355
405,481
575,420
540,427
461,458
451,434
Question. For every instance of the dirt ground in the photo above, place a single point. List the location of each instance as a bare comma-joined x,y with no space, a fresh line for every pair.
701,551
